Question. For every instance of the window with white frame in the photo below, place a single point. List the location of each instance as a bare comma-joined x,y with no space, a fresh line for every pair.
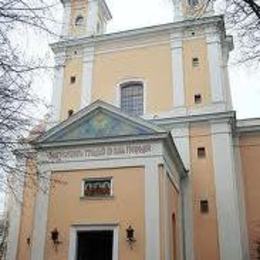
98,187
132,98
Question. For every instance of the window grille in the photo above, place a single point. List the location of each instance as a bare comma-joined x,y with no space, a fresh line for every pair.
132,97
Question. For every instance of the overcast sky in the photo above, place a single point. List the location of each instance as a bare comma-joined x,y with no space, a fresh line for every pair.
129,14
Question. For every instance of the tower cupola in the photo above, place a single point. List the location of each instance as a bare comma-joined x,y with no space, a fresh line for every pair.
84,17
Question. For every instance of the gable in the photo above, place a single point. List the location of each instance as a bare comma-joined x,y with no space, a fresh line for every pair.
98,124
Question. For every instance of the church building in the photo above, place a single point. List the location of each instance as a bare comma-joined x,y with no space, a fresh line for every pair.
143,157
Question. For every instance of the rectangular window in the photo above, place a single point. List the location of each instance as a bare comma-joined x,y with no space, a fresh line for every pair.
101,187
195,62
72,79
204,206
197,99
201,152
132,98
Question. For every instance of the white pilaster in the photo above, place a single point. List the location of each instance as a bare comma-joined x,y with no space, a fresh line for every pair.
230,238
14,209
57,88
177,71
178,13
66,19
92,17
181,139
87,75
215,65
241,199
152,211
41,216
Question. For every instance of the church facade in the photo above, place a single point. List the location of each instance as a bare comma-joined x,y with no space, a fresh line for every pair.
143,158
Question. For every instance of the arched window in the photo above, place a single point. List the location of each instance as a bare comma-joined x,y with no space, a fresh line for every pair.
132,98
79,20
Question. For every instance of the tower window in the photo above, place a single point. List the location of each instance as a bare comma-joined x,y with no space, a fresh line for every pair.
204,206
79,20
201,152
197,98
70,112
132,97
72,79
195,62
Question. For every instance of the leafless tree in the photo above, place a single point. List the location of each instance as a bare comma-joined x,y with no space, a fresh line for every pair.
20,20
243,22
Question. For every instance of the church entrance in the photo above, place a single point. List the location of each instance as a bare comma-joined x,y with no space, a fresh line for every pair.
95,245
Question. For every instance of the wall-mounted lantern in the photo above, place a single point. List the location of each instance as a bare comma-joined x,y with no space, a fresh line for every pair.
130,237
55,238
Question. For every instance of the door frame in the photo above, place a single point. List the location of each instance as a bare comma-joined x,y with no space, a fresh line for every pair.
92,227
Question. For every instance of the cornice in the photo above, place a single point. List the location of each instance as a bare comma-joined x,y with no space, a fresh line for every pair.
171,28
251,125
169,123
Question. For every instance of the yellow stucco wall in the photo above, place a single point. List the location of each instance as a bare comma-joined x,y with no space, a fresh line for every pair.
196,79
150,63
27,217
117,62
202,174
127,207
250,154
71,95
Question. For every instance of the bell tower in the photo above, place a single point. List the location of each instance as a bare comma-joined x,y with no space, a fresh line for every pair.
84,18
188,9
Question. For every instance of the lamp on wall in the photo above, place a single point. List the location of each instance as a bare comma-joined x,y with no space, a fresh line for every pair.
130,238
55,238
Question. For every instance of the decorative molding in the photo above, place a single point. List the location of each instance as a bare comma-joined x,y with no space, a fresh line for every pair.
135,34
57,89
87,76
181,138
152,212
128,80
229,233
241,199
215,61
170,122
251,125
177,69
66,19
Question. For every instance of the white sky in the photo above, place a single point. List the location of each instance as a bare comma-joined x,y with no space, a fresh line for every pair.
129,14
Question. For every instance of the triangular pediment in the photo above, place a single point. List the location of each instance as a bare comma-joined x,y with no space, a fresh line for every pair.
98,121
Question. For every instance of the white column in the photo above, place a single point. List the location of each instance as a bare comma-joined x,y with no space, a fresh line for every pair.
87,76
177,72
152,211
66,19
57,88
92,17
230,240
14,208
181,139
41,216
215,65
